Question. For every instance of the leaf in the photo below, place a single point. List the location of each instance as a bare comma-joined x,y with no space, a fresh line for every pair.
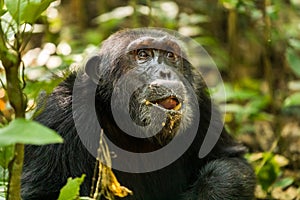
34,88
239,94
268,173
33,10
14,7
285,182
71,190
3,178
26,11
293,59
27,132
2,12
293,100
6,155
295,43
281,160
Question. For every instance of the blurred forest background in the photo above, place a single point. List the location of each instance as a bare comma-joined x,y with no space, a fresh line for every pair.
255,44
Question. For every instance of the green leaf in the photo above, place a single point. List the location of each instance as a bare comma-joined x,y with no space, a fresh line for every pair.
269,172
239,94
256,105
3,178
6,155
285,182
71,190
2,11
33,10
27,132
293,100
14,7
295,43
294,61
26,11
33,88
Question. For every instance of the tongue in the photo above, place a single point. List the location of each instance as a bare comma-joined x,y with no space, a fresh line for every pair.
168,103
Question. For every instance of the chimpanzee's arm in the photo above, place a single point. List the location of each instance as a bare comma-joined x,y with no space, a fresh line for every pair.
224,179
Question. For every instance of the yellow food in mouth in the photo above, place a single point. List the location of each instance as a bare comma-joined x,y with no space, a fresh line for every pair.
178,107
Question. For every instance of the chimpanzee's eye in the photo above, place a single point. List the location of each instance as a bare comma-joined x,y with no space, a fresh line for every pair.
171,56
143,54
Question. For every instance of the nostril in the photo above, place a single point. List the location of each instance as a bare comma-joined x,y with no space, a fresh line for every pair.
165,74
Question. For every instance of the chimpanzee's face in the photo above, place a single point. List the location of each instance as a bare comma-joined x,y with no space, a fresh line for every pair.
163,96
148,82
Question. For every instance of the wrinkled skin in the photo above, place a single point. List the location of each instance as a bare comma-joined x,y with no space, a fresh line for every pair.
169,99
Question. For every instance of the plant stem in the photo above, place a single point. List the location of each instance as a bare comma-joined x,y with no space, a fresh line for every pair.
232,40
17,101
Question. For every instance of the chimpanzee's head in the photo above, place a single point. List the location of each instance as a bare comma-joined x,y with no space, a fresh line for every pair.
151,81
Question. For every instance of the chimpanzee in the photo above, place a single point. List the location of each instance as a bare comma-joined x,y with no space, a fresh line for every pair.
155,112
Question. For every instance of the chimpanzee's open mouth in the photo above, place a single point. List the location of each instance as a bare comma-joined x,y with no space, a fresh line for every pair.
171,103
163,104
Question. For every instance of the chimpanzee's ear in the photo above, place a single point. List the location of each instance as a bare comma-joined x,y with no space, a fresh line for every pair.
92,68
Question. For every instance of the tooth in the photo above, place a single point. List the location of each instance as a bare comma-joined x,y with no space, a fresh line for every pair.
177,107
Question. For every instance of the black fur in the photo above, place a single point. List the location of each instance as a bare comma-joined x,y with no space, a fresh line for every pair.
222,174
